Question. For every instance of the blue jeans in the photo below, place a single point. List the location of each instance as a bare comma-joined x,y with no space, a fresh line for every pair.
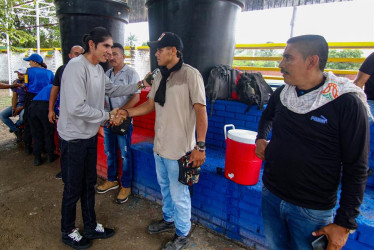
4,117
111,141
288,226
175,195
371,106
78,168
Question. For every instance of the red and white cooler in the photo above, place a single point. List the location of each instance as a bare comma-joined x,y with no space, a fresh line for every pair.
241,163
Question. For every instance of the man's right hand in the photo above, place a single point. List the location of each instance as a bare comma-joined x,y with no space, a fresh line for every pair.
112,115
337,235
119,117
261,145
113,112
17,85
51,117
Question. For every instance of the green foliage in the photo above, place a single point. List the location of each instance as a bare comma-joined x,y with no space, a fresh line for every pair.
257,53
345,53
21,28
131,39
9,24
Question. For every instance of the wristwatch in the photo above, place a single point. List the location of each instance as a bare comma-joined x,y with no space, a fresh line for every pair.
200,146
351,231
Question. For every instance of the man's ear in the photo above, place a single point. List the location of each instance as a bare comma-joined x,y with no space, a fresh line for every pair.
313,61
174,50
91,44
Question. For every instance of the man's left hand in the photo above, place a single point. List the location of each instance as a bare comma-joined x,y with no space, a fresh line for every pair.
51,117
197,157
337,235
17,111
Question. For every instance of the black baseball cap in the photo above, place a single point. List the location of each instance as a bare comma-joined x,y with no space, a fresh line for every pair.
167,39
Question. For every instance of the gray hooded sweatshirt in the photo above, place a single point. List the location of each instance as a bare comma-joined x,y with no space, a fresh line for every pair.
83,89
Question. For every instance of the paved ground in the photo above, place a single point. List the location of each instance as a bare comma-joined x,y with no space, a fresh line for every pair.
30,200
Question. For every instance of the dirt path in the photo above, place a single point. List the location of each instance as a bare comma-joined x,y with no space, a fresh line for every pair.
30,200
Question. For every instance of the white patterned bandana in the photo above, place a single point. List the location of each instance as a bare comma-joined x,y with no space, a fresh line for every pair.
332,88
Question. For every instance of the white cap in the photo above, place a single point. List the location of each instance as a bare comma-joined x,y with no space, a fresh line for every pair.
243,136
21,70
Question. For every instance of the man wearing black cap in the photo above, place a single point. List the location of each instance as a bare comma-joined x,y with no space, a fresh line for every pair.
178,95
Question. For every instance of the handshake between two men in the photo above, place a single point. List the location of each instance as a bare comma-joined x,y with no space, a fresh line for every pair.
118,116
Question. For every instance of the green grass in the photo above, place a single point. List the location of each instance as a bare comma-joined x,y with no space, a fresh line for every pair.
5,101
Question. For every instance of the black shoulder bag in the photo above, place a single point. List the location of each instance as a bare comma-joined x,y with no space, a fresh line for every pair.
123,127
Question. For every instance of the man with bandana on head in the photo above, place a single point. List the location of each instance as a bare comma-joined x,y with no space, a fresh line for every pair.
178,96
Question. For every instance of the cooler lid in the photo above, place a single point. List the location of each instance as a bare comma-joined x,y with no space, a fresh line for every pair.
242,135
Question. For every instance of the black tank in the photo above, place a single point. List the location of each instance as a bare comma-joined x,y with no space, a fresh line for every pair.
78,17
207,28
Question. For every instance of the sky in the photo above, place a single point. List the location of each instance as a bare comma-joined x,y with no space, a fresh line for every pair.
351,21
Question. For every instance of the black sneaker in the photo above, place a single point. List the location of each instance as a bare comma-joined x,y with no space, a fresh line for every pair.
75,240
18,133
99,232
177,243
52,157
59,175
38,161
161,226
28,149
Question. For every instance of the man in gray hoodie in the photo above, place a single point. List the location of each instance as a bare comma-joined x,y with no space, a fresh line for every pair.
84,86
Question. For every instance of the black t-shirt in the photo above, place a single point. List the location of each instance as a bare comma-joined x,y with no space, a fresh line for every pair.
310,154
58,76
368,68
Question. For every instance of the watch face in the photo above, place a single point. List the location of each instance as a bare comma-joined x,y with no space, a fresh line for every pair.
201,144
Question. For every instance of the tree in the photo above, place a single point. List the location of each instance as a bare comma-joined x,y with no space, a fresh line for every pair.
9,25
257,53
131,39
22,28
345,53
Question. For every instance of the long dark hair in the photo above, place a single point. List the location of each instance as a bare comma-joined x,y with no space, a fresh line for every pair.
97,35
43,64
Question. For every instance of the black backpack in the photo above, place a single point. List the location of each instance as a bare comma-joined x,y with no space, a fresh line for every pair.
222,84
226,83
217,86
252,89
